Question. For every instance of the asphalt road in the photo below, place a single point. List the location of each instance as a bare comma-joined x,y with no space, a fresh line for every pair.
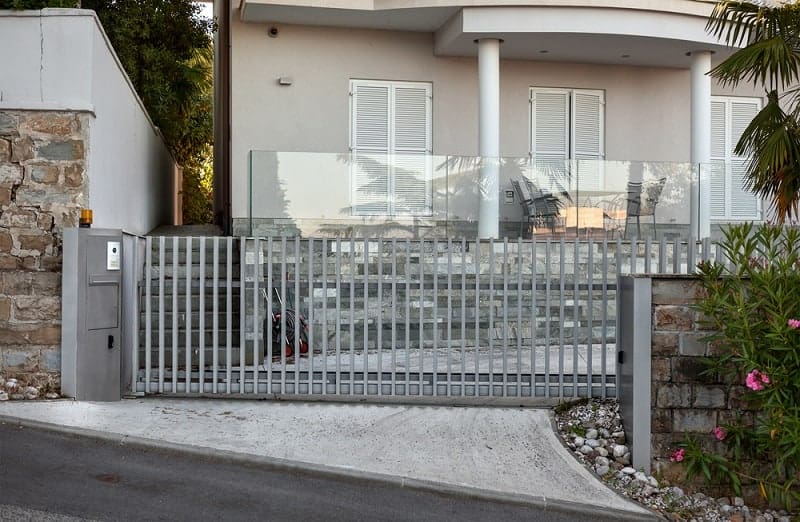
46,475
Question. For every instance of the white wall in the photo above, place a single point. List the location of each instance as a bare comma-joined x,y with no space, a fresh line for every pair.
60,59
647,108
130,181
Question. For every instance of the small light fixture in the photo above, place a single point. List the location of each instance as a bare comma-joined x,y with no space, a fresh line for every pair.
625,56
284,80
86,218
544,51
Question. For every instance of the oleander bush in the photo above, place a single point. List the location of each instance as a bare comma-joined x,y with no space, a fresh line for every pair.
752,304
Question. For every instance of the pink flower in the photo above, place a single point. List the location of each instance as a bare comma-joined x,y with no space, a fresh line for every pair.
677,455
794,324
719,433
756,380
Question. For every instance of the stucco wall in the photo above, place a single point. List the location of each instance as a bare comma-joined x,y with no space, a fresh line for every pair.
647,108
62,60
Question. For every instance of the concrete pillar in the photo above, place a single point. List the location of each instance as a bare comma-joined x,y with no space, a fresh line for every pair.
489,137
700,203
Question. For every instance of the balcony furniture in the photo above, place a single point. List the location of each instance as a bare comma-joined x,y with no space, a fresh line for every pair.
539,209
584,218
636,208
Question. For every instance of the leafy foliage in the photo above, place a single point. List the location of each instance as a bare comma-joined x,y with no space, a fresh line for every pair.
752,305
165,47
38,4
770,58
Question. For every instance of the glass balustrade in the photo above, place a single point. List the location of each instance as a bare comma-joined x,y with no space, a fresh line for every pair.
416,196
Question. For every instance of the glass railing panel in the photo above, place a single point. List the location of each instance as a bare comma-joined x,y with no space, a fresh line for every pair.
413,195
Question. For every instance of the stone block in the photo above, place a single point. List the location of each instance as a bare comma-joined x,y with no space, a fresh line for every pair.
20,358
9,262
6,242
691,369
674,396
738,398
35,242
8,124
73,175
21,149
10,174
15,283
50,360
691,344
30,263
42,173
37,308
45,221
48,335
5,196
696,421
46,283
664,343
5,150
675,291
673,318
50,263
709,397
660,369
5,309
51,123
46,197
61,150
16,217
661,421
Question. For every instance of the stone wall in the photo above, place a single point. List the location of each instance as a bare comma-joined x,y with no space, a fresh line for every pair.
685,401
42,188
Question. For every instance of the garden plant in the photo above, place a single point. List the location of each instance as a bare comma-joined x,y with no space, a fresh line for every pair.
752,304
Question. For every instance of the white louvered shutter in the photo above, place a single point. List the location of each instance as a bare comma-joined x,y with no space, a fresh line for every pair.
730,116
370,144
719,148
550,128
744,204
411,143
587,142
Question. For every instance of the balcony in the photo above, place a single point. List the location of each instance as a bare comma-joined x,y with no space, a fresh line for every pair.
422,196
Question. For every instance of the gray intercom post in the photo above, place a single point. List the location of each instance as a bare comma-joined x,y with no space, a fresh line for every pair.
91,337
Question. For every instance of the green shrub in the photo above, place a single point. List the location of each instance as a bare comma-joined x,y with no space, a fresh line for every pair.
37,4
753,306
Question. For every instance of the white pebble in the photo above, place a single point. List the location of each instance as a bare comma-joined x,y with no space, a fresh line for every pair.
578,442
738,501
592,443
602,452
601,461
586,449
591,434
641,477
620,450
31,393
3,395
51,395
653,482
601,470
628,471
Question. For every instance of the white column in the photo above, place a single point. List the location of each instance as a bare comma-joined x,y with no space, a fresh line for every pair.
489,136
700,203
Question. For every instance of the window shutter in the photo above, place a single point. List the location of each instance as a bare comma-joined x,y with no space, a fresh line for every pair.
391,142
587,143
412,190
744,204
550,125
370,133
718,160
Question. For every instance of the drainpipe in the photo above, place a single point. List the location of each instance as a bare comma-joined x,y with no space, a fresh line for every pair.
489,137
700,201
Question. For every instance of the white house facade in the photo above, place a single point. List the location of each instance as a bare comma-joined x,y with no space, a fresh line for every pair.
437,117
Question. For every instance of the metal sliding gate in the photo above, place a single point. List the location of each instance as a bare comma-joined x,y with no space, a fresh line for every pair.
378,318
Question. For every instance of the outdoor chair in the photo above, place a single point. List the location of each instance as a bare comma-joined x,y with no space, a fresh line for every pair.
636,208
539,209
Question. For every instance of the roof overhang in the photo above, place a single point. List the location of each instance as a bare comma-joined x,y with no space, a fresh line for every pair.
656,33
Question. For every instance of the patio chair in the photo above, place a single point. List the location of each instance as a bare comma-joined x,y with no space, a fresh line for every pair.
638,208
539,209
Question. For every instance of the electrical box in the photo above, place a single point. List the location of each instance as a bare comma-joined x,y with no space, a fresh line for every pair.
91,337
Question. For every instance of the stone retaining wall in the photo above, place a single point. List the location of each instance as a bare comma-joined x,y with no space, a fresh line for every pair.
684,400
42,188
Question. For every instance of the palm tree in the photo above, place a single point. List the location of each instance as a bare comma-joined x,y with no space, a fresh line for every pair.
769,36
